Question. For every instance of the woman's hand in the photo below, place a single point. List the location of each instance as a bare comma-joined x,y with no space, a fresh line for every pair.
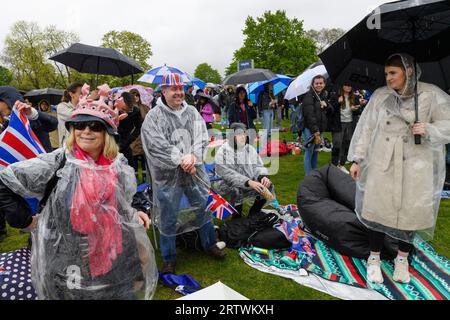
188,163
250,103
144,219
266,182
22,106
323,104
259,187
419,128
341,99
355,171
33,224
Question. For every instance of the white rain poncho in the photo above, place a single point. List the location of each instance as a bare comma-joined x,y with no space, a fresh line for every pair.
236,167
400,186
80,253
179,199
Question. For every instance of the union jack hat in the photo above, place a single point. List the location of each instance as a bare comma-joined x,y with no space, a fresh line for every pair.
172,79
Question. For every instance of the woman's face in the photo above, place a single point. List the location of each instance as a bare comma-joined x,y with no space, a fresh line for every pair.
120,104
75,96
395,77
241,95
44,106
4,109
319,85
347,89
90,140
241,139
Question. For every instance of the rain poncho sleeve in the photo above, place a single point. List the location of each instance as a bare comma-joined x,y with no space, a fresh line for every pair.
398,191
88,243
179,199
236,167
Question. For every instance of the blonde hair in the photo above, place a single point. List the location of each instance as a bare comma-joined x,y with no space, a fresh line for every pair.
110,149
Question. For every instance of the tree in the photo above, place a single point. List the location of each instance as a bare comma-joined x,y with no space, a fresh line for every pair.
325,37
277,43
26,51
5,76
206,73
131,45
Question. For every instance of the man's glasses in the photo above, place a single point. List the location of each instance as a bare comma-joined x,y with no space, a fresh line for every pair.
93,126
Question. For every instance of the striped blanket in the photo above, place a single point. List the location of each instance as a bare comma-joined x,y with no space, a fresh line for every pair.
430,272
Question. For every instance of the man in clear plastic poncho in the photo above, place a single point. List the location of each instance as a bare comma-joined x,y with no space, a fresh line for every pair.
399,183
88,242
242,170
175,138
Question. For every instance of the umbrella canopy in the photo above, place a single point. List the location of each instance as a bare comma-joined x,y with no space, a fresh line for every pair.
146,93
156,75
280,82
420,28
302,83
53,96
97,60
249,76
196,82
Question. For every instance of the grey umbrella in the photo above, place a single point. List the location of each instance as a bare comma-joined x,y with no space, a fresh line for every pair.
248,76
97,60
418,27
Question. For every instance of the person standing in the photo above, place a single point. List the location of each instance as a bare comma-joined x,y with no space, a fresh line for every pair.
398,182
267,103
175,139
64,110
189,97
226,99
316,111
242,110
342,123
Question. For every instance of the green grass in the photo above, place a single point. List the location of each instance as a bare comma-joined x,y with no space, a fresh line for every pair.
233,271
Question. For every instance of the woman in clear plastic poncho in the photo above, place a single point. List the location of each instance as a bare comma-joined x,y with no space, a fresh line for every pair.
398,182
243,174
88,242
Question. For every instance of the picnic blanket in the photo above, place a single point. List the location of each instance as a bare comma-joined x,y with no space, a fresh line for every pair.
15,276
430,272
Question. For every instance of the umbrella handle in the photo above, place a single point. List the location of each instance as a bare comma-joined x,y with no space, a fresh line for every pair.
417,139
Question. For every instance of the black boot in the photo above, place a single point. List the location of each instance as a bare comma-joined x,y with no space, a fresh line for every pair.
168,267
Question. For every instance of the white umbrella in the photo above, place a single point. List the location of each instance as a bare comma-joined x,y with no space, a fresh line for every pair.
302,83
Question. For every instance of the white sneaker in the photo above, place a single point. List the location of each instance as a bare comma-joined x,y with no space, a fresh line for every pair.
344,169
373,270
401,272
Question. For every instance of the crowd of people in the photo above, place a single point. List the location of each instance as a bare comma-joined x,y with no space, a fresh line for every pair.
102,137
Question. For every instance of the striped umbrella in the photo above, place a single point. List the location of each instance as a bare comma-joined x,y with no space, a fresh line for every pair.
155,75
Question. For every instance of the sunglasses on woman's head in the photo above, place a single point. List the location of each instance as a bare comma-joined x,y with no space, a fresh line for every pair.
93,126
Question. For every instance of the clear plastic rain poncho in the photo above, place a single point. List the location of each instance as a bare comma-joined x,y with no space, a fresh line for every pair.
179,199
80,253
400,186
236,165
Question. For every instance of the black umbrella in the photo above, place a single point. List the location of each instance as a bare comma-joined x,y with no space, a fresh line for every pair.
420,28
248,76
97,60
53,96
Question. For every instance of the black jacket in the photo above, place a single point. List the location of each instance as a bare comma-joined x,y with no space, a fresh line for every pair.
316,118
334,123
42,126
129,129
234,115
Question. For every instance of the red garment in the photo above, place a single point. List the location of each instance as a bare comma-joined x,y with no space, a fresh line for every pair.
94,213
243,114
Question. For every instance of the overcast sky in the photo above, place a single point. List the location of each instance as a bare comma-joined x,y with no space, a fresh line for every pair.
182,33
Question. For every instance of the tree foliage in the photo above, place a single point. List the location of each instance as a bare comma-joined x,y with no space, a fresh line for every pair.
277,43
5,76
132,45
26,51
325,37
208,74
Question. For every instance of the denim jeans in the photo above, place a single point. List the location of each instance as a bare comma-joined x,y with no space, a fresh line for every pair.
267,118
311,154
169,199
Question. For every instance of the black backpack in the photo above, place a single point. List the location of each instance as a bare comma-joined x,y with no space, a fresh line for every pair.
297,120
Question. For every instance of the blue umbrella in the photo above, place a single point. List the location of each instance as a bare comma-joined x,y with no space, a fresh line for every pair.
155,75
280,82
199,83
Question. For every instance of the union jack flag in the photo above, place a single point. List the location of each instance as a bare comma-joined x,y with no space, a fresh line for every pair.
18,142
219,206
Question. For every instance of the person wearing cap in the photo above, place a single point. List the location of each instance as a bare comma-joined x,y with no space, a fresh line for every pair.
244,176
175,140
88,241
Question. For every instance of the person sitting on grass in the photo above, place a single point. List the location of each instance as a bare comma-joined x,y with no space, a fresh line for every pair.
242,170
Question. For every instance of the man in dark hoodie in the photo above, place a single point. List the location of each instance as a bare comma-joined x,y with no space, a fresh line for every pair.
40,123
